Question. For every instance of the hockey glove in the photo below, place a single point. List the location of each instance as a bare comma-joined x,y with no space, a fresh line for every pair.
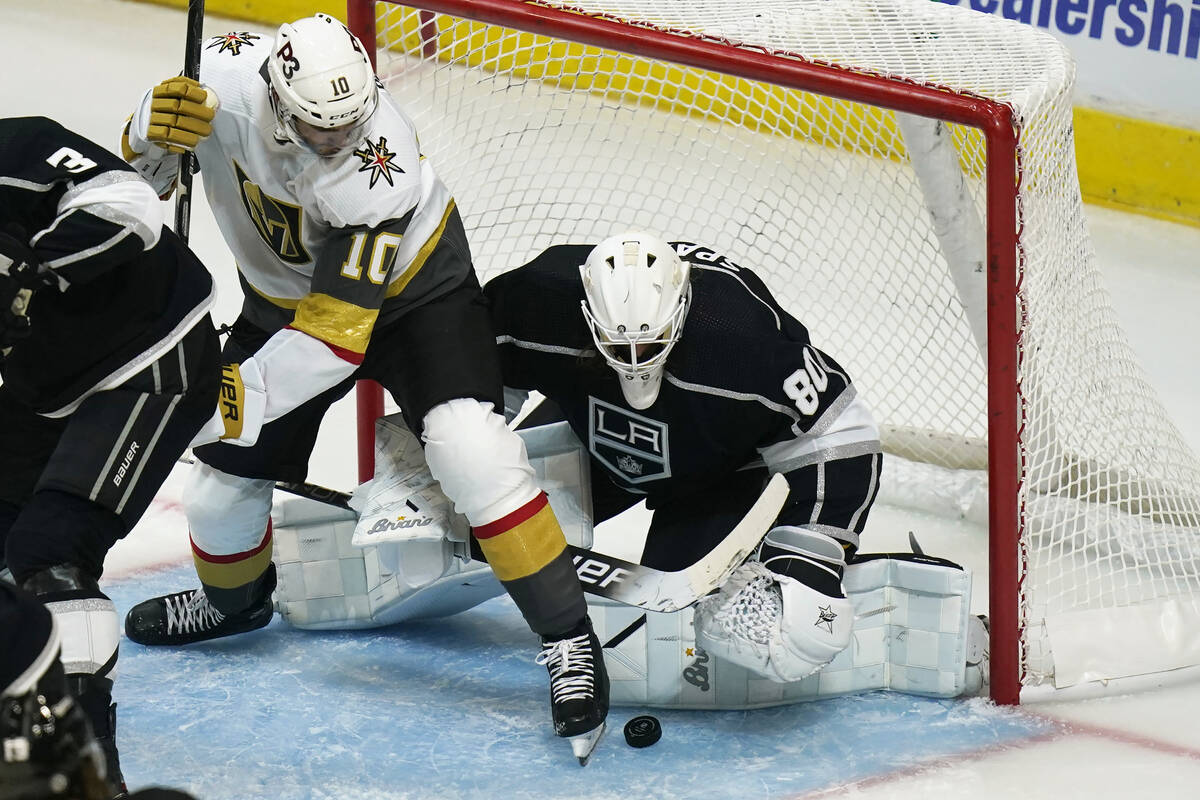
240,408
20,275
181,113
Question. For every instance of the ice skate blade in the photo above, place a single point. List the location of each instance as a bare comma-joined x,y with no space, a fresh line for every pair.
585,743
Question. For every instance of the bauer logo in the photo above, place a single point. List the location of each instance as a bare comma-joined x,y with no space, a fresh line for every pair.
630,445
126,463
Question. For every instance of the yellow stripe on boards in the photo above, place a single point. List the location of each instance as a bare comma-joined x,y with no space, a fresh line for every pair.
1127,163
1137,165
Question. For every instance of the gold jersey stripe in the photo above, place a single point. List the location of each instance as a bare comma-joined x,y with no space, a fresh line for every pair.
336,321
525,548
397,285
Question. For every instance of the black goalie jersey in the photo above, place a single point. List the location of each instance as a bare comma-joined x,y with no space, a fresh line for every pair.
743,387
127,288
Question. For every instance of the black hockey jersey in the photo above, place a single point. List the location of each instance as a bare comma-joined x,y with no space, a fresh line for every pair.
743,386
128,288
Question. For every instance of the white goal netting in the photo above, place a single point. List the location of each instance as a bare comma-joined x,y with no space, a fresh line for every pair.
871,231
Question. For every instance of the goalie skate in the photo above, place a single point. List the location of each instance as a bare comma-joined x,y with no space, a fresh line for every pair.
578,688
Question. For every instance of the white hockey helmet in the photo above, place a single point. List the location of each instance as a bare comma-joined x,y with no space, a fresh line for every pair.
322,86
637,292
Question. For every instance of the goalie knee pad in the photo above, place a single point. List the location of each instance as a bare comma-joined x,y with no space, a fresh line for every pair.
481,464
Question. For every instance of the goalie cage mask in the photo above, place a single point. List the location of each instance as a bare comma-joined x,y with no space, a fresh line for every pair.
637,292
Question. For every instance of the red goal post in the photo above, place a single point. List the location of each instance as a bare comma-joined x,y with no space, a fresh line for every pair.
674,47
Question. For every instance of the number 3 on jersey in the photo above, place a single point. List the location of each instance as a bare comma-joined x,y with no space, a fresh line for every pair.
804,386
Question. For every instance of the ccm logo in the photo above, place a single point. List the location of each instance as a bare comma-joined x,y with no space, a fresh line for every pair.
598,572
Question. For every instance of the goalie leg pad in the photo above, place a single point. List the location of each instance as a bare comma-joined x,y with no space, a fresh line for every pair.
326,582
913,633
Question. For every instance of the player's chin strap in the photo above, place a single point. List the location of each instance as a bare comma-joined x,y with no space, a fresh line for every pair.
913,633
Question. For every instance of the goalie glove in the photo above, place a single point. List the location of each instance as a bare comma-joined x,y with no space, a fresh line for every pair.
784,622
178,117
21,274
241,408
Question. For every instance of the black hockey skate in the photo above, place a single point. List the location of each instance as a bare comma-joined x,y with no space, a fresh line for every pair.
578,687
188,616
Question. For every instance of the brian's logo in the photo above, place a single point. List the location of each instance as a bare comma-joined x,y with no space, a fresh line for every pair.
279,224
632,446
377,160
232,42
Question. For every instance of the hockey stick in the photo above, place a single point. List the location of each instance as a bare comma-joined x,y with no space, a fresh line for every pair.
636,584
187,160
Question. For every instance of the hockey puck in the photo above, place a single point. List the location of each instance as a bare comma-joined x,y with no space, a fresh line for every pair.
642,731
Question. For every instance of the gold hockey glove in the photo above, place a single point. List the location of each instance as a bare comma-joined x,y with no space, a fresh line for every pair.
181,113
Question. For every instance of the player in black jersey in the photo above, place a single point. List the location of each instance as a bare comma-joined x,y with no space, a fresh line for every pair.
49,749
110,367
689,384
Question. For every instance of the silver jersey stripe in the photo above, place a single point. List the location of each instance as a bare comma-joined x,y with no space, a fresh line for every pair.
736,277
788,411
819,499
143,359
835,409
82,255
827,454
30,186
875,462
545,348
119,447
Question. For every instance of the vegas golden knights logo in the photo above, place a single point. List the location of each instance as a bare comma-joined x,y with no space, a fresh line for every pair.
279,224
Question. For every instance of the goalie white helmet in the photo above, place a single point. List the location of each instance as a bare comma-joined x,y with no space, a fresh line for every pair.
322,87
637,293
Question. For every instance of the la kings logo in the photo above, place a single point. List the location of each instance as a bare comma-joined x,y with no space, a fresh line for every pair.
632,446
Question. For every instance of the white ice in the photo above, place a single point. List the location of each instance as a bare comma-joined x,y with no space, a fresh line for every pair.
87,62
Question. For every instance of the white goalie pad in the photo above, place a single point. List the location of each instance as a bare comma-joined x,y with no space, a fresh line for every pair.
913,633
404,555
326,582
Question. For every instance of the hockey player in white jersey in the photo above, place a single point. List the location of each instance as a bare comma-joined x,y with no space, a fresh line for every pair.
690,385
354,264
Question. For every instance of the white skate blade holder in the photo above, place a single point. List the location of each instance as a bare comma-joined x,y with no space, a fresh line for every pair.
584,744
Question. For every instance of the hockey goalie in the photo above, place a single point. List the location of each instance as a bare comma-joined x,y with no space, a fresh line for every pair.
756,459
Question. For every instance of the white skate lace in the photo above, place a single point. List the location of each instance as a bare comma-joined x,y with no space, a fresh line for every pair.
753,610
188,612
565,656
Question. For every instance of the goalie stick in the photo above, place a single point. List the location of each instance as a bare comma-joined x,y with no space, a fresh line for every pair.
636,584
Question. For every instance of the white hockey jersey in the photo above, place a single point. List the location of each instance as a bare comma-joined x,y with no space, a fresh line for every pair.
327,248
341,238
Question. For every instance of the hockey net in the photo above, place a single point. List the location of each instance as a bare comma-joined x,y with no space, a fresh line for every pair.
901,173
